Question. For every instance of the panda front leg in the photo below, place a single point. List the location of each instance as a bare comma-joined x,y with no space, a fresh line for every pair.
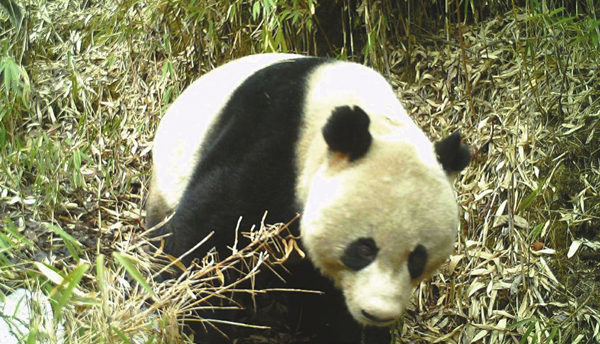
376,335
343,328
325,316
199,321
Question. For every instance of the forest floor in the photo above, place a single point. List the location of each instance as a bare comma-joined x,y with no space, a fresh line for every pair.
92,87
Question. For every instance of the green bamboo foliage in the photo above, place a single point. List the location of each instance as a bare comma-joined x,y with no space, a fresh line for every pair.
84,83
218,30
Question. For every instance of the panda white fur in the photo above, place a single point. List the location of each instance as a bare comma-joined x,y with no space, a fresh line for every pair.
327,139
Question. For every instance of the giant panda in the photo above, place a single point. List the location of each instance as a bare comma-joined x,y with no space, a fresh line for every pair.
325,139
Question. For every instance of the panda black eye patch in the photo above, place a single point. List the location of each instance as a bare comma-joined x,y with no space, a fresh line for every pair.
360,253
417,261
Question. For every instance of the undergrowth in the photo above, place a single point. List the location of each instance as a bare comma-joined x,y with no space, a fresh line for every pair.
83,86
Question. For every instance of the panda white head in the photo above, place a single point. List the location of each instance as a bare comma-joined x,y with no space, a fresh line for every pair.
379,210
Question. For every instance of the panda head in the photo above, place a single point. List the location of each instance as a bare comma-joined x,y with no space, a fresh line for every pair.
379,210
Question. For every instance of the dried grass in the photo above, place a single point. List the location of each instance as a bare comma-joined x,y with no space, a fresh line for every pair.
497,285
125,308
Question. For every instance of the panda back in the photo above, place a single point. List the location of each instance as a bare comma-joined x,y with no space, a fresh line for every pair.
232,154
183,128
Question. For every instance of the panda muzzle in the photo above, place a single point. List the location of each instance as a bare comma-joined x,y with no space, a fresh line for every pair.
376,319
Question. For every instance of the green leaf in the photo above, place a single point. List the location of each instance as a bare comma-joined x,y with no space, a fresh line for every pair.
529,199
520,323
563,20
120,334
255,10
165,68
3,136
71,243
71,281
280,39
100,272
32,335
311,6
269,6
77,160
11,229
231,13
127,262
552,335
530,329
11,71
558,10
536,231
151,340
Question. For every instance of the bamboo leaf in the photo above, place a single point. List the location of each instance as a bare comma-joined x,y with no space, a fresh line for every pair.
68,285
529,199
71,243
127,262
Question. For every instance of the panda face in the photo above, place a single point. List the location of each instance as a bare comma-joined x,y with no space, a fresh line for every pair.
379,213
378,237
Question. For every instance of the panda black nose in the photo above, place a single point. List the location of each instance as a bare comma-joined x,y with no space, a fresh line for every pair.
376,319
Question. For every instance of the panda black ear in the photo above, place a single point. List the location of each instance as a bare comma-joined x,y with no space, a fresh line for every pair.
347,132
452,153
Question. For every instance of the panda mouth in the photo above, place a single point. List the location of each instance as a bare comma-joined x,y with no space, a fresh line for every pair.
377,320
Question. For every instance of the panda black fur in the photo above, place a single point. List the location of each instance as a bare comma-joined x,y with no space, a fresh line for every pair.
327,139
